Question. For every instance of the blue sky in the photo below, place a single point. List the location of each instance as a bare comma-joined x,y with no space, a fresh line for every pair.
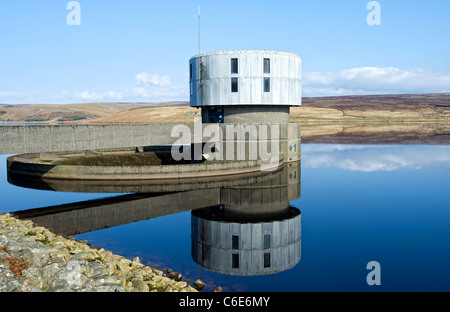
139,50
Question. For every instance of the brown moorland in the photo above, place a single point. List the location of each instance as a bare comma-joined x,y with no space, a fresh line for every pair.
407,118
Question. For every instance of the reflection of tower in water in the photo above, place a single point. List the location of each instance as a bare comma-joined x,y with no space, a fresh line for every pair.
254,230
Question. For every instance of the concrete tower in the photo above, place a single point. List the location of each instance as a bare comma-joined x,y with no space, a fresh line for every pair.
245,86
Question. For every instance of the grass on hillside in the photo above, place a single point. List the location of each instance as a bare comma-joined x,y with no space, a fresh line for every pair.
136,159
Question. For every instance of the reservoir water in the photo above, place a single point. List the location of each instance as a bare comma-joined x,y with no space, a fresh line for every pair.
317,229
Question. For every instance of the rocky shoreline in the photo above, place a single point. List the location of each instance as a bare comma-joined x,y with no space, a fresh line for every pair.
33,259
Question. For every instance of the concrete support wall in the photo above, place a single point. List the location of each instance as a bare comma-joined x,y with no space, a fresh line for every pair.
254,114
53,138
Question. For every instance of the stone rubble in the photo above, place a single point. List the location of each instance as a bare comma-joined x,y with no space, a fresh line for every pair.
33,259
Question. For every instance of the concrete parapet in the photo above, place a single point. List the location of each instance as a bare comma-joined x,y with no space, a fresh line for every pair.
54,138
228,149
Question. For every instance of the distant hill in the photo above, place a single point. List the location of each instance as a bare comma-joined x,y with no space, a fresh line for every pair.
92,112
381,102
362,108
402,107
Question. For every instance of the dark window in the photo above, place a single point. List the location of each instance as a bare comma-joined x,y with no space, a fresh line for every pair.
235,242
234,85
214,114
266,66
190,70
266,241
234,65
235,261
266,84
267,259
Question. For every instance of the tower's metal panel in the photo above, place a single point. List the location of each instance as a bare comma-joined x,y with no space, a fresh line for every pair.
210,81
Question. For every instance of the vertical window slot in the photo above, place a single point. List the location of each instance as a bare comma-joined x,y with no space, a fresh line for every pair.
266,66
234,65
234,85
266,84
267,259
235,242
266,241
235,261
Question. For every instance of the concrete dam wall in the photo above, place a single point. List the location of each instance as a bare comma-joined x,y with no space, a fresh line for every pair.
53,138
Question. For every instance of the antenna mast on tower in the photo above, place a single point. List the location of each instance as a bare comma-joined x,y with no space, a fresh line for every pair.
199,30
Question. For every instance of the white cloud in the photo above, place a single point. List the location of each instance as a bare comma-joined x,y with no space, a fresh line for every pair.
376,80
95,96
354,81
170,93
146,79
370,158
13,97
148,87
11,94
113,95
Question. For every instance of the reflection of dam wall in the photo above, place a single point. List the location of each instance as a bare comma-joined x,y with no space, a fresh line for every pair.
236,248
72,219
89,216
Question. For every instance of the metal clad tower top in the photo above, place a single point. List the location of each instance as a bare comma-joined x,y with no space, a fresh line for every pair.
245,77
